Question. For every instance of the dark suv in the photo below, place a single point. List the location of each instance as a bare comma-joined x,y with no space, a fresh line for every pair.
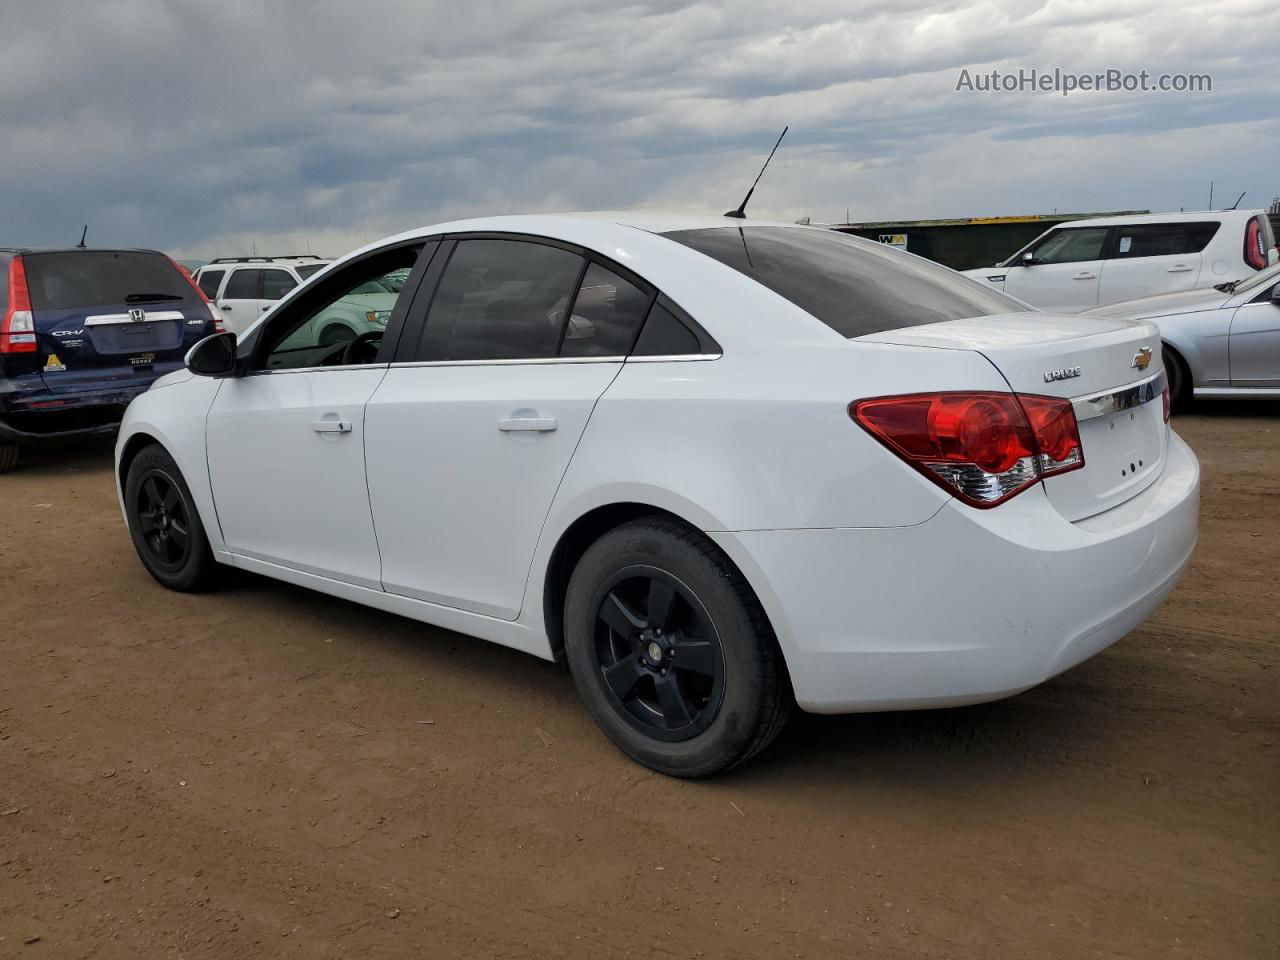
82,332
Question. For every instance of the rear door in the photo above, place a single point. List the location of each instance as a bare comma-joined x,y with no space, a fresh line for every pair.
241,298
1150,258
109,318
469,435
1065,272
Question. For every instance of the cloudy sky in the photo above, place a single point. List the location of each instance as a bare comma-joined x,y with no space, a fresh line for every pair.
206,128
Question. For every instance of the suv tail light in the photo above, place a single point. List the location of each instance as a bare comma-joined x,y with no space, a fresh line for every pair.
981,447
1255,253
18,329
214,312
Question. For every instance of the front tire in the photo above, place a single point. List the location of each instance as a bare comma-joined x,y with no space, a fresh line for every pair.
164,523
8,456
671,652
335,334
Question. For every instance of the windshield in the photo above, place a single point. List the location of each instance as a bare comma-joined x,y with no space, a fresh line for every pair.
854,286
1259,279
92,278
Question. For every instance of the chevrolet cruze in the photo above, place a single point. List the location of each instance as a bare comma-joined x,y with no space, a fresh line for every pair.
720,467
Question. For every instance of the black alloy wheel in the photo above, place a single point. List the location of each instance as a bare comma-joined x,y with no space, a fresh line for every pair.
163,520
164,523
659,654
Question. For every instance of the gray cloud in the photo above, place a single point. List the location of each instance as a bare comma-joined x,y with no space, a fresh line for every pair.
205,127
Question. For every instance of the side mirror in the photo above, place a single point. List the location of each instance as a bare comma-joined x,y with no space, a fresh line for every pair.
214,356
1028,259
1275,294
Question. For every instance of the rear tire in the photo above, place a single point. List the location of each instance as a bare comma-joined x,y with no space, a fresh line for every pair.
671,651
1175,374
165,525
8,456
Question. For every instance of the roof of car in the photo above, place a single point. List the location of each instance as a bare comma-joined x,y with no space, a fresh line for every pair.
77,250
1182,216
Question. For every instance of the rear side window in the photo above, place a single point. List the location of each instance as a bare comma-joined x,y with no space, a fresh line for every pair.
276,283
243,285
855,286
209,280
1163,239
606,316
500,300
91,278
665,336
308,269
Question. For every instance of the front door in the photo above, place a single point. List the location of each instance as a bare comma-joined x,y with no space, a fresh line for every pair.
286,441
1255,344
1064,272
468,440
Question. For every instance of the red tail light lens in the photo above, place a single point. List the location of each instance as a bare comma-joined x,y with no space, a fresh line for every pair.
981,447
1254,253
1164,399
18,329
213,311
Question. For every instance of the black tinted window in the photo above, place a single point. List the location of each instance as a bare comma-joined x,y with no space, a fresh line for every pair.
665,336
209,281
1163,239
606,317
500,300
854,286
276,283
243,285
89,278
308,269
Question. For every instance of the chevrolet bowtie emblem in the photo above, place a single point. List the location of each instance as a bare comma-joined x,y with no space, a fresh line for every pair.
1142,359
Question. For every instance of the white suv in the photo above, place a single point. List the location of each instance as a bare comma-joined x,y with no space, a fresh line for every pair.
246,287
1084,263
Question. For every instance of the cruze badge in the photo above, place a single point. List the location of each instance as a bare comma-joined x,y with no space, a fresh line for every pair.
1062,373
1142,359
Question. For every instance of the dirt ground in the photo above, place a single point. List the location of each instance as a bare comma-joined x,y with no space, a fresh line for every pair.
267,772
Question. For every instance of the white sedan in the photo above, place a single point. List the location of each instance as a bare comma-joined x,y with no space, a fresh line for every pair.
721,467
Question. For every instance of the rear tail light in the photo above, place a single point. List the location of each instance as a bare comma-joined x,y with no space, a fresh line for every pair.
981,447
18,329
1255,254
1164,399
214,313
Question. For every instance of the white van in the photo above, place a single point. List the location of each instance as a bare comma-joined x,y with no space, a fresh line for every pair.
1084,263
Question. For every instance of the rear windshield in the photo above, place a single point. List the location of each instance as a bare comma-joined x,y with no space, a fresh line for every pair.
854,286
93,278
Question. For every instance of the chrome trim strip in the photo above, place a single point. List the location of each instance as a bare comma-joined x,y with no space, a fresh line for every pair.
148,316
508,363
1113,401
675,357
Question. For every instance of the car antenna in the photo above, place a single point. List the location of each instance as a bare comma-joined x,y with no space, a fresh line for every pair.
83,233
741,212
1238,199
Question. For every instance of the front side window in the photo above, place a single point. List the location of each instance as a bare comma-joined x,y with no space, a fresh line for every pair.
500,300
243,285
1163,239
209,281
606,316
855,286
1072,245
349,309
276,283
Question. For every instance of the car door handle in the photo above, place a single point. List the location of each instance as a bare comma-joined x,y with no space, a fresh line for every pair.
1086,275
331,426
225,306
1179,268
536,424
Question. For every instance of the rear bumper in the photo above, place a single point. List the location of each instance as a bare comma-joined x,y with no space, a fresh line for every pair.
971,605
39,418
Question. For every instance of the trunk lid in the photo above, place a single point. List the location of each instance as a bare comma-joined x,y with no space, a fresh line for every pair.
1110,369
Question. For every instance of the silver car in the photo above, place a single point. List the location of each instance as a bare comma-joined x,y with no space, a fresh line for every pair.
1219,342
